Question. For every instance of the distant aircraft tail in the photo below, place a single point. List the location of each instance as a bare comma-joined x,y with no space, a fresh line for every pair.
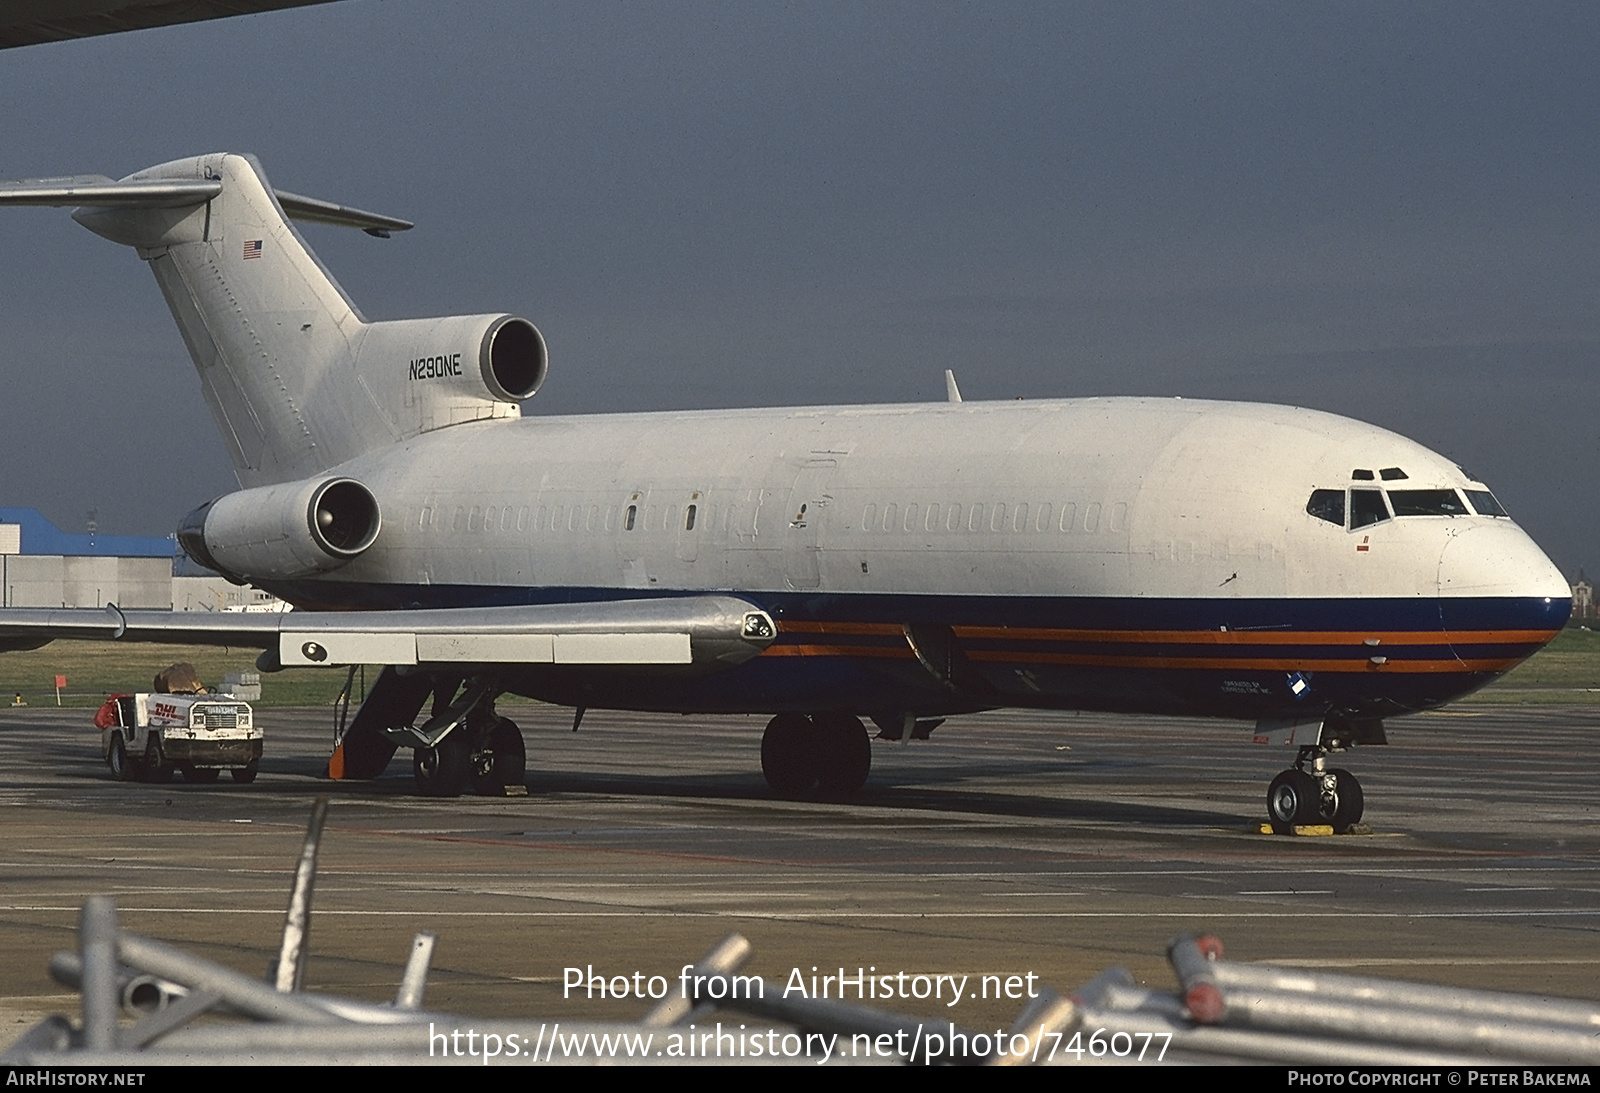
298,381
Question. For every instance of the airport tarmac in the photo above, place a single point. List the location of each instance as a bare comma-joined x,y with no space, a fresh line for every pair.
1010,844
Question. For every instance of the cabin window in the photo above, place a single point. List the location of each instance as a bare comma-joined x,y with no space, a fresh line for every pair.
1393,474
1019,517
688,517
891,513
1327,505
1427,503
1485,503
953,520
1069,516
910,522
975,518
1091,517
1366,508
932,521
869,517
629,517
997,517
1046,516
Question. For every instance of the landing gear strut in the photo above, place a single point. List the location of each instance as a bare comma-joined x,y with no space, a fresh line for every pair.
465,744
1321,795
829,753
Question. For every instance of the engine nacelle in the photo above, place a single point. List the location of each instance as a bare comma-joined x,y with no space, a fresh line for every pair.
293,529
429,373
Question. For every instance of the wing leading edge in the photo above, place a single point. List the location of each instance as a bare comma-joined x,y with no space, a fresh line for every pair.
692,632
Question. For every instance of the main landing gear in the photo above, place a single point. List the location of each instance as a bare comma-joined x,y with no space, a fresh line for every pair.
828,754
486,753
1321,795
462,745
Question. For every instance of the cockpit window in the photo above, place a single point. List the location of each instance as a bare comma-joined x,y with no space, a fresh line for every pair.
1392,474
1485,504
1367,507
1361,476
1327,505
1427,503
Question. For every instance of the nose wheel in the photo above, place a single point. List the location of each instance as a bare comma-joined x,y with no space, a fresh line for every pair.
1322,795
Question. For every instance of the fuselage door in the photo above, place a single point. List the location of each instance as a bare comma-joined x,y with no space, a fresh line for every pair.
802,538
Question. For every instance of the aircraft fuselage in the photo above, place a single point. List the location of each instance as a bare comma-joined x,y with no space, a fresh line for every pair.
1122,554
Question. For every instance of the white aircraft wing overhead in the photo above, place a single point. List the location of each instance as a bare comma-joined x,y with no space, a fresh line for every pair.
695,632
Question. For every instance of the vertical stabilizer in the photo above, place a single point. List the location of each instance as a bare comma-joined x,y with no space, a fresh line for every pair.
268,328
298,381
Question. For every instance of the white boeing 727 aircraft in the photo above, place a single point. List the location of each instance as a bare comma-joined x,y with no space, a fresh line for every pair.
902,563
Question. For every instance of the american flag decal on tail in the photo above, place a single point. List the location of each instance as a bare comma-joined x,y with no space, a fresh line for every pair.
252,248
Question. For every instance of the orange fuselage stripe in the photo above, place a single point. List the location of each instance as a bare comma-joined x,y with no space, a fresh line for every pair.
1495,664
1195,637
1262,637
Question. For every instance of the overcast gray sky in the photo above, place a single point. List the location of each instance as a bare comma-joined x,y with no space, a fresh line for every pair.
1383,210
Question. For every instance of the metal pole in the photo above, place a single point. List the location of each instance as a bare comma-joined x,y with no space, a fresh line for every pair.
291,970
1380,1011
723,960
1228,975
97,944
849,1019
415,979
250,997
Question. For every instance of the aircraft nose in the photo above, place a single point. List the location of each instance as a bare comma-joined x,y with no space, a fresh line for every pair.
1494,569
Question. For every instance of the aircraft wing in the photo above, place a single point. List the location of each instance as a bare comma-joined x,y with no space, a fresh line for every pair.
688,632
29,22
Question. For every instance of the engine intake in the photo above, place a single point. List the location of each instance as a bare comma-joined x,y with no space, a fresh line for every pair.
293,529
514,359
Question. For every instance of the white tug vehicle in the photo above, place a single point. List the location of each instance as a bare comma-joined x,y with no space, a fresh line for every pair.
145,737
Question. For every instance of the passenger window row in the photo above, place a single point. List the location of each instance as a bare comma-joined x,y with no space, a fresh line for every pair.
587,518
1021,517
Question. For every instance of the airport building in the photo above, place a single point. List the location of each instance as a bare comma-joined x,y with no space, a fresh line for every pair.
1583,606
43,566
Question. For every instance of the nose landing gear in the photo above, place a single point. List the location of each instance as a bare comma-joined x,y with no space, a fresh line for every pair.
1311,793
1322,795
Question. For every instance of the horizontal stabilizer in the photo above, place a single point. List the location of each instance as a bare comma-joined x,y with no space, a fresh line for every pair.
309,209
100,192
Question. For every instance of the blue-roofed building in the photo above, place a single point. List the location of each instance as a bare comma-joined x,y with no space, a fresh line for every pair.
43,566
39,536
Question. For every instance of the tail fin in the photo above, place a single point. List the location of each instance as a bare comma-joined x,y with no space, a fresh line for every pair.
297,380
